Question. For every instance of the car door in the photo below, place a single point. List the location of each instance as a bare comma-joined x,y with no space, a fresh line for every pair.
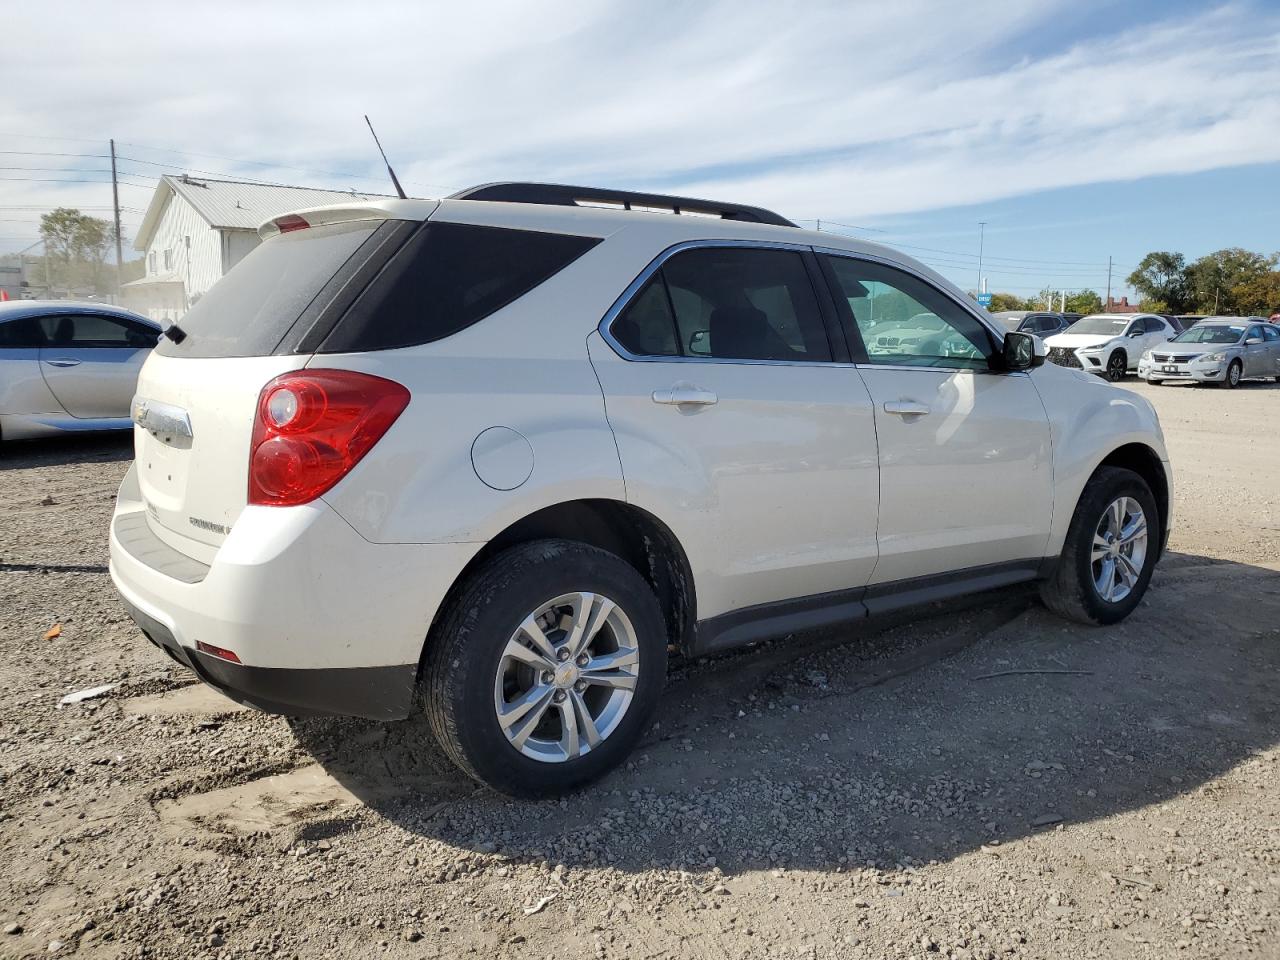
22,388
1272,337
1158,333
1255,353
738,424
91,361
965,468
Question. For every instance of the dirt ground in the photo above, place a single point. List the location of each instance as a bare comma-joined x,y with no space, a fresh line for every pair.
901,790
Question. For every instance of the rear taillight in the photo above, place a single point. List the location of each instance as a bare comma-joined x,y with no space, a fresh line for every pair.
312,427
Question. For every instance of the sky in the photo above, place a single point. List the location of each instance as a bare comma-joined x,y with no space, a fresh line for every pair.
1076,130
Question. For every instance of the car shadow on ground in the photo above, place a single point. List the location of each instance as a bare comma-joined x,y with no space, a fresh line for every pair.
73,448
914,741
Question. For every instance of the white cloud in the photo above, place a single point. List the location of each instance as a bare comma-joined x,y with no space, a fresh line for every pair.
836,110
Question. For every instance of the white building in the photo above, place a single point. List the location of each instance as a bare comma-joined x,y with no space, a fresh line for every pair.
195,230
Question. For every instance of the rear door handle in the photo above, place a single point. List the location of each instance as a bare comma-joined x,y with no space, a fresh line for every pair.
63,362
683,394
906,408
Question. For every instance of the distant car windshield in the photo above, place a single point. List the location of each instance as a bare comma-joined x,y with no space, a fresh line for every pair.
1210,333
1010,321
1111,325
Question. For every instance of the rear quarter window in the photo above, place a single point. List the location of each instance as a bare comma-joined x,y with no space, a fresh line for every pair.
447,277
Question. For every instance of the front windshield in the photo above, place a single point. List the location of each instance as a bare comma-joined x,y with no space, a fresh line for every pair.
1210,333
1114,326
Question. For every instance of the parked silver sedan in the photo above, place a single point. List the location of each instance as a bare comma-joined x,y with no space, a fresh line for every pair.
1221,350
67,366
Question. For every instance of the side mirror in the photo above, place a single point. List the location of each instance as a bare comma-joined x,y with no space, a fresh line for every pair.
1022,351
1134,334
1252,341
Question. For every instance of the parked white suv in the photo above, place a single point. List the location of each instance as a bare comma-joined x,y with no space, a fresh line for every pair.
1109,344
492,457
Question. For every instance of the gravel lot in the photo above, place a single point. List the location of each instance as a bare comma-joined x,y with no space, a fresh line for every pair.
902,790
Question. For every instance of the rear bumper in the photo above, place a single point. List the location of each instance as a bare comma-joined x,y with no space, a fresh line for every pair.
376,693
322,620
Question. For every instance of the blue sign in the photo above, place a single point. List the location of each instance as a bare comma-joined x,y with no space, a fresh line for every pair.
984,299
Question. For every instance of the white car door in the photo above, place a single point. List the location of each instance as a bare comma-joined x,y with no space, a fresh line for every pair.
734,423
91,361
965,468
1158,334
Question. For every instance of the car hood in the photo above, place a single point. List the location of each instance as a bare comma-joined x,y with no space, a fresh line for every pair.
1076,341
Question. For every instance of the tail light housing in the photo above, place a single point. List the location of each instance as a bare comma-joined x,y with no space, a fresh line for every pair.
312,427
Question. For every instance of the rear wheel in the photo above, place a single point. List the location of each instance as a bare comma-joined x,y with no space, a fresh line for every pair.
1117,366
546,669
1110,551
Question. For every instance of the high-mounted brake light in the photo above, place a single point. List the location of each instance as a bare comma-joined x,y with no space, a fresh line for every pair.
312,427
290,222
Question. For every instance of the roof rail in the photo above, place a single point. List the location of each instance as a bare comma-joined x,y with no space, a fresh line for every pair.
562,195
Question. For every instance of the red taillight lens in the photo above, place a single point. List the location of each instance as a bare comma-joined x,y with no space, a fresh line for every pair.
290,222
222,653
312,427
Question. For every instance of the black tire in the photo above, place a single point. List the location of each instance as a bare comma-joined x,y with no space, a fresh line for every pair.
1228,382
466,652
1154,382
1117,366
1071,591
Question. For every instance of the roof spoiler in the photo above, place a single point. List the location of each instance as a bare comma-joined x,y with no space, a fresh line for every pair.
386,209
562,195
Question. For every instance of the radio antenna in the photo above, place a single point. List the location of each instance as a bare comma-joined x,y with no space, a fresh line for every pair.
399,189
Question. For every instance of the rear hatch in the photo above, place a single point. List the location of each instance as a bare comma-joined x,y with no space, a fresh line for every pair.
198,392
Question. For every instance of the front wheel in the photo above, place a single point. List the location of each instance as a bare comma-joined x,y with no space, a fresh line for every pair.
1234,371
1117,366
546,668
1110,551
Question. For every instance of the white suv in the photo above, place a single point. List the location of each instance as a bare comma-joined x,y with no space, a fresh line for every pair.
492,457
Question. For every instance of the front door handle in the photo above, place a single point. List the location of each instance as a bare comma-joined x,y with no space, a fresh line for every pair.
682,394
63,362
906,408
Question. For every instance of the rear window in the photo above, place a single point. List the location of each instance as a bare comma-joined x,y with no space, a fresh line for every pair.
249,311
447,277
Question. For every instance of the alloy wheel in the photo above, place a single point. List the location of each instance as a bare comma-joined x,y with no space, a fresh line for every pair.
1119,549
566,677
1116,366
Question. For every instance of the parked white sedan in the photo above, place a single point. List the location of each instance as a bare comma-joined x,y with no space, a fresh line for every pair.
1109,344
68,366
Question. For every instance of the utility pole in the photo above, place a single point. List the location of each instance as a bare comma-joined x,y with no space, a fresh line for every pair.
982,235
1108,304
115,204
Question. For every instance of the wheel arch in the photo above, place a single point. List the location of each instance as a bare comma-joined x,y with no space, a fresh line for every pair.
1146,463
627,531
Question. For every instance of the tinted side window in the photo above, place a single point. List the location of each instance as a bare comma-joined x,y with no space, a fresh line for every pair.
904,321
23,332
740,303
94,330
1271,333
1255,333
447,277
647,327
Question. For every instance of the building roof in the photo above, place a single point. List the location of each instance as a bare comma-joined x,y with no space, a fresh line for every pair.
234,204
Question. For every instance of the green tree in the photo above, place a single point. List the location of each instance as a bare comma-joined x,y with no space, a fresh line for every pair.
76,246
1084,301
1163,276
1006,301
1258,295
1212,280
